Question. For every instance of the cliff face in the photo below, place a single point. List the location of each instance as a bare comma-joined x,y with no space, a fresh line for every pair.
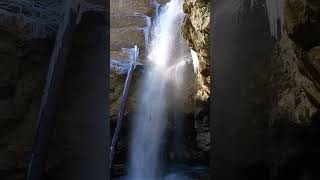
295,77
27,33
23,68
196,30
298,62
24,59
271,84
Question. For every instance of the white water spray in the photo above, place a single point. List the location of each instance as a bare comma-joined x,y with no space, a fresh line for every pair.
166,56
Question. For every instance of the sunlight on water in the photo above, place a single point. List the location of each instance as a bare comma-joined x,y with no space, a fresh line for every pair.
166,54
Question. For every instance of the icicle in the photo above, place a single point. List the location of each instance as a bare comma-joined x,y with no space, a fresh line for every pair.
195,61
146,31
275,10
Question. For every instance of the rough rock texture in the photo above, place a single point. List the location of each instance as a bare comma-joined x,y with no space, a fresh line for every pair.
132,7
27,32
297,97
196,30
128,20
34,19
23,67
268,124
296,67
129,26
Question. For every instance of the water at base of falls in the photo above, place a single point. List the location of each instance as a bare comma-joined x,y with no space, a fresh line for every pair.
166,54
178,172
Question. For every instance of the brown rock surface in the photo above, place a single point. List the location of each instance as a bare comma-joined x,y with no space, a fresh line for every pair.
196,30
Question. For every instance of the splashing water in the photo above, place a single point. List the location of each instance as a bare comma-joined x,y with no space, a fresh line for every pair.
166,54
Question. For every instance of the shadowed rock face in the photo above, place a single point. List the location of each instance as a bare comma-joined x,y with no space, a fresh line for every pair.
296,78
196,30
267,113
39,19
78,147
295,74
27,32
24,59
23,68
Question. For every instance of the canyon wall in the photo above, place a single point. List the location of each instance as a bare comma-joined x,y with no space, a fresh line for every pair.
196,30
27,32
267,90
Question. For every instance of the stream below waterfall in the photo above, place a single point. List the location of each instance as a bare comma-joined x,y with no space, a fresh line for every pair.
180,172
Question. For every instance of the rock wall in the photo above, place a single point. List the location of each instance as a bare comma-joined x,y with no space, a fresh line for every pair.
27,33
267,93
196,30
297,62
295,77
129,23
23,68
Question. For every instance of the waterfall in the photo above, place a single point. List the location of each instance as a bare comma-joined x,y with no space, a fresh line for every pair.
166,55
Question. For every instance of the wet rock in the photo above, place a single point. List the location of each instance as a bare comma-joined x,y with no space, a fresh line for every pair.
196,30
132,7
123,20
23,67
162,1
302,22
116,88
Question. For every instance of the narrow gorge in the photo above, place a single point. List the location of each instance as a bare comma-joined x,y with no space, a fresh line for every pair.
263,84
166,123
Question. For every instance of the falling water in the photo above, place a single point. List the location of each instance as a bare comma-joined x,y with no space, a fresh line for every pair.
166,54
